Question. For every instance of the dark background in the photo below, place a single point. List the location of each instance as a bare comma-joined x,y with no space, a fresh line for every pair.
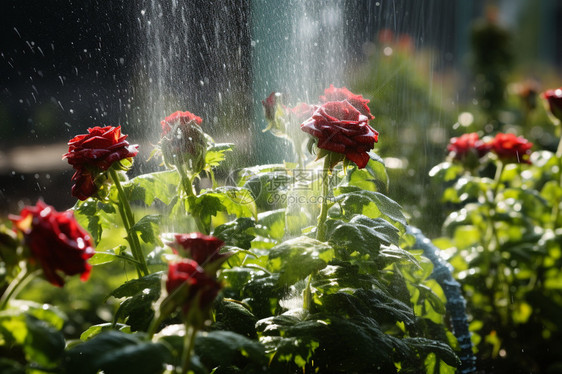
69,65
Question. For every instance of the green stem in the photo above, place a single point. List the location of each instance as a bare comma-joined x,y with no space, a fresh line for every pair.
307,298
556,206
16,285
188,344
497,179
129,222
321,225
187,184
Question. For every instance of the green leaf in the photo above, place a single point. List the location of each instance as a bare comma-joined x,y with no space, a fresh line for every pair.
232,200
115,352
372,178
446,171
140,294
269,189
149,229
104,257
372,303
151,186
371,204
233,316
343,275
43,344
361,234
272,224
44,312
297,258
224,347
95,330
237,233
96,216
216,153
425,346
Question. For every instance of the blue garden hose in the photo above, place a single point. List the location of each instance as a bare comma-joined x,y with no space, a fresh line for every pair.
456,305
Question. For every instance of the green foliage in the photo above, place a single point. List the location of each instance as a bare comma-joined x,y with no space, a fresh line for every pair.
503,239
116,352
355,301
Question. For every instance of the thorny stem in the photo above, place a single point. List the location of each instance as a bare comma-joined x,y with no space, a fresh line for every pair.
321,225
187,184
129,221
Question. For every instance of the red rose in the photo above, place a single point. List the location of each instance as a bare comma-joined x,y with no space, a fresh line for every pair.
180,119
56,241
200,285
339,94
93,153
270,105
466,145
201,248
183,142
511,148
554,99
341,128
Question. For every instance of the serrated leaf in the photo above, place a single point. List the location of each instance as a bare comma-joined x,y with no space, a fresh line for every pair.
237,233
232,200
161,185
362,234
297,258
95,216
216,153
140,293
149,229
371,204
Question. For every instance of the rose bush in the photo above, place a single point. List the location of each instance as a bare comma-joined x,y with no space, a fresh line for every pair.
339,127
56,242
260,292
93,153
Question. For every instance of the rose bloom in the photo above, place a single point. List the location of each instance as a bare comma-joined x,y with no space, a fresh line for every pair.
338,94
341,128
510,148
183,142
199,247
270,105
198,282
466,145
554,99
93,153
56,241
179,119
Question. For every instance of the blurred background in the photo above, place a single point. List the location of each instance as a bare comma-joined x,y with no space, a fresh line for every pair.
432,70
